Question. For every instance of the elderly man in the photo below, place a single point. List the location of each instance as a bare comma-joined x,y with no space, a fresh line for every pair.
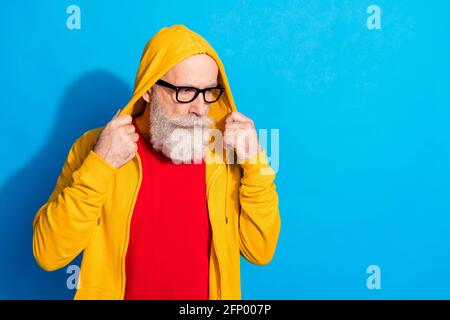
155,211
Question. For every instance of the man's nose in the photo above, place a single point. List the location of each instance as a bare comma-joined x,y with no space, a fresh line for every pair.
198,106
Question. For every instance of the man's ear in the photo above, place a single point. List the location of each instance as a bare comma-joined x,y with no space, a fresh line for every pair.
146,96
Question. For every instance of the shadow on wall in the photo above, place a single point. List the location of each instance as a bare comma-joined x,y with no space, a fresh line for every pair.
90,102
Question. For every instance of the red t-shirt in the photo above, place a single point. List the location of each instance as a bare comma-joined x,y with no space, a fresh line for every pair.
170,233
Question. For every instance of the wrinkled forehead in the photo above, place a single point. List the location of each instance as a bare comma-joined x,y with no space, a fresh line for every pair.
197,70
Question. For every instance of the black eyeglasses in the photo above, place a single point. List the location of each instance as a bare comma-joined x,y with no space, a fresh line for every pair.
189,94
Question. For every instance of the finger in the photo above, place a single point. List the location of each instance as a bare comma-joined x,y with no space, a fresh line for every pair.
131,148
130,156
134,149
229,136
134,137
129,128
227,145
237,117
238,125
117,113
124,119
233,132
228,142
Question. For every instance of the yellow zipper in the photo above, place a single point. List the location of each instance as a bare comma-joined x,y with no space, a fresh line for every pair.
127,234
214,243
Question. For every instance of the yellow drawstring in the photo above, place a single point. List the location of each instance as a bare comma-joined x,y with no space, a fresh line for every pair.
226,195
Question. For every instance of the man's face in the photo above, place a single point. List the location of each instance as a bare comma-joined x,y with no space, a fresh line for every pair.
198,71
180,130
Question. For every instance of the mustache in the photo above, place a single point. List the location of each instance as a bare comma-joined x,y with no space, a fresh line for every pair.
190,121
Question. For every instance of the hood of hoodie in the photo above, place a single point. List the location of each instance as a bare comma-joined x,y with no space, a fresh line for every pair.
168,47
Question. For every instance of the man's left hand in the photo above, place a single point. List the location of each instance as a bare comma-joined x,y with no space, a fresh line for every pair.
240,134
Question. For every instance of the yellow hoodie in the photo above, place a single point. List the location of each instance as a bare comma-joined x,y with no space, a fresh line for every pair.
91,206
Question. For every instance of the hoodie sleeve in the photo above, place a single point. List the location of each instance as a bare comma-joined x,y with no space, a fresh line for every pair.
62,227
259,220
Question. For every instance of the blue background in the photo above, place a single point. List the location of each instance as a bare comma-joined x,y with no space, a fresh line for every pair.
364,174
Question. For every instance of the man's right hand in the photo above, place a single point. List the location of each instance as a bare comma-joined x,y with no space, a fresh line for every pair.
116,143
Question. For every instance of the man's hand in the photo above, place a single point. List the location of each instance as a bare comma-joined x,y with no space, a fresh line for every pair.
116,143
240,134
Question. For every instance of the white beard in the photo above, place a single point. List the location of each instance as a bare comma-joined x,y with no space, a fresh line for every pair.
183,138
